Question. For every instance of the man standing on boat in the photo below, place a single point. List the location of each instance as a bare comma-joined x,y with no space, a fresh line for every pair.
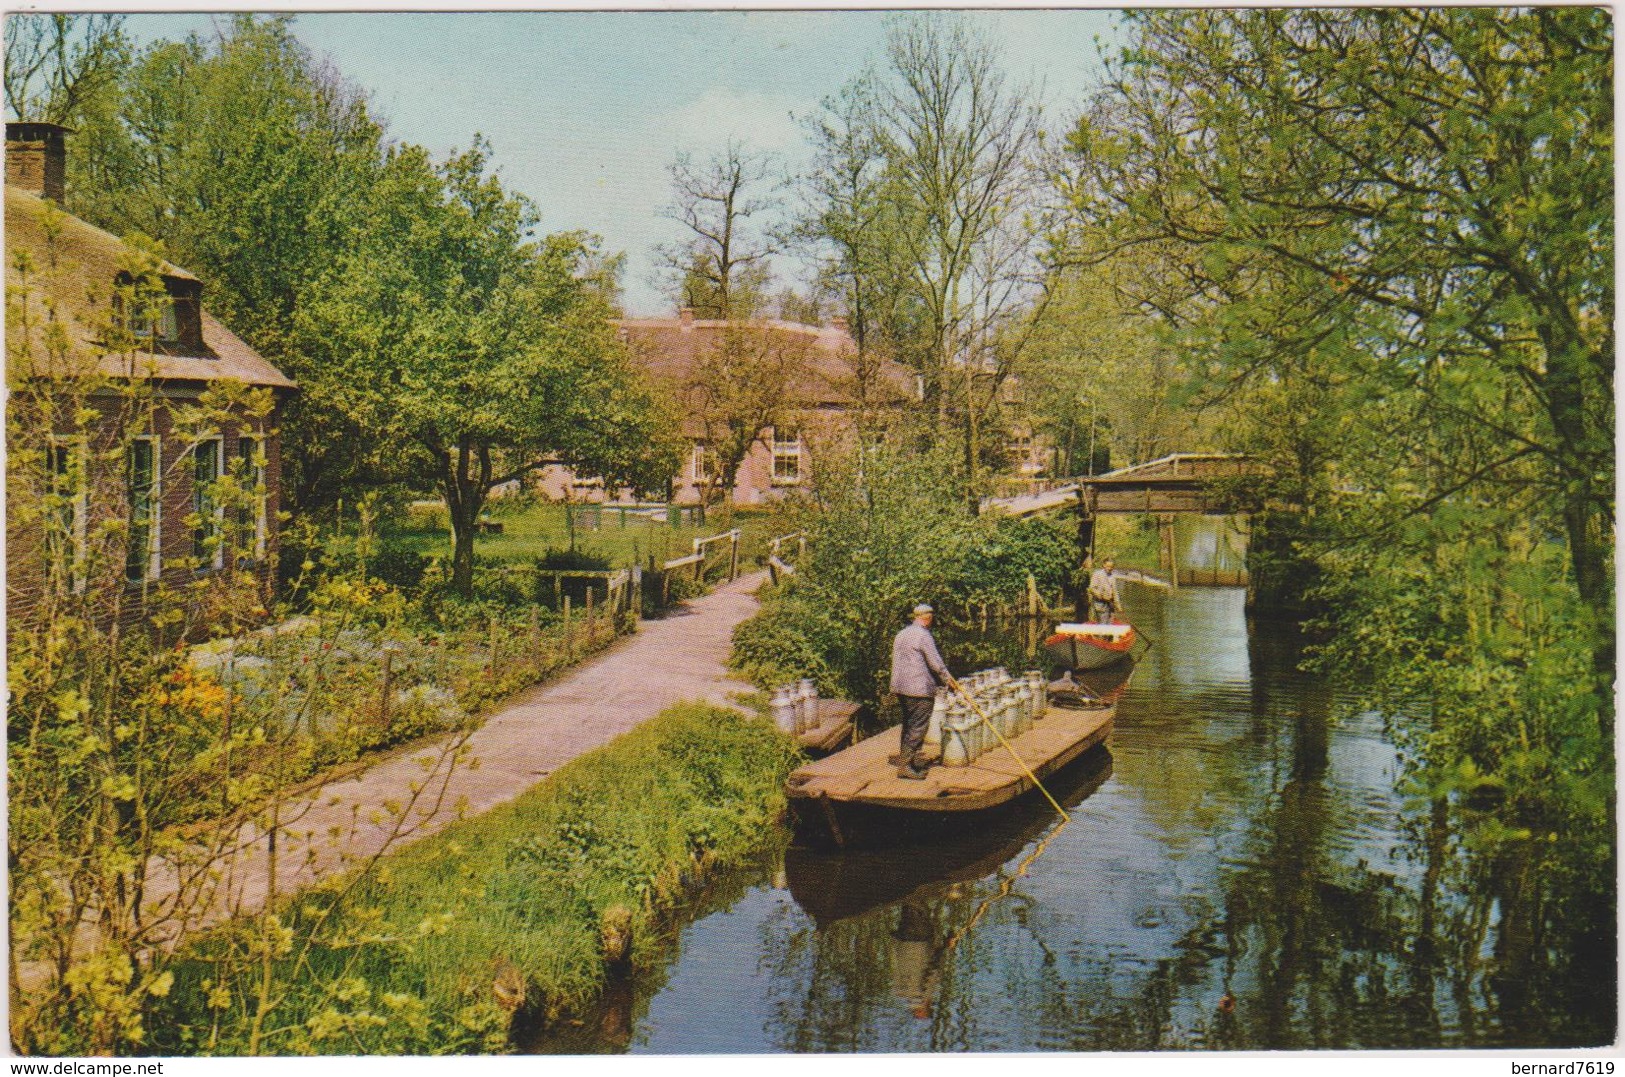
917,671
1103,593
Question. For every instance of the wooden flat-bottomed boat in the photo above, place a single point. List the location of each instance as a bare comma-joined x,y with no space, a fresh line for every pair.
1090,646
855,794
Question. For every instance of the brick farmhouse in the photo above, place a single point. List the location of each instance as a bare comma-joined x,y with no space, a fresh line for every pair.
103,432
830,389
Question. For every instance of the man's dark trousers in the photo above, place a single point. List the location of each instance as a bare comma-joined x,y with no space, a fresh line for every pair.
916,717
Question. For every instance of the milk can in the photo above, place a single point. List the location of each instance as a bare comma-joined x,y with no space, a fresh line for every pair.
783,709
1035,678
809,704
933,728
953,745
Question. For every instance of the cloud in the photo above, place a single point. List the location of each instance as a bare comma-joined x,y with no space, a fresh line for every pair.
758,121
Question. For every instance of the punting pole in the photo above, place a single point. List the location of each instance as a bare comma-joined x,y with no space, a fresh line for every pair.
966,696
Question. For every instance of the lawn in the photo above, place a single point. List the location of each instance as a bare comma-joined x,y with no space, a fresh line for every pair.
530,529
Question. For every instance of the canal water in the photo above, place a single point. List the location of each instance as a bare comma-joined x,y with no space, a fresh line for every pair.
1240,872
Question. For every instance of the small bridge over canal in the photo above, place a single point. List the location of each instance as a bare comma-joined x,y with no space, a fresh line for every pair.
1209,484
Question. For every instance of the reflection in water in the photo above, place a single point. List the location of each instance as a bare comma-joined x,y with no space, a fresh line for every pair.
916,962
1240,873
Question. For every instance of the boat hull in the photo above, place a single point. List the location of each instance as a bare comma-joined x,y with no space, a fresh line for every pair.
1071,650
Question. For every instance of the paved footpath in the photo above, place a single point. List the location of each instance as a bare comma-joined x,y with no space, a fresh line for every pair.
680,657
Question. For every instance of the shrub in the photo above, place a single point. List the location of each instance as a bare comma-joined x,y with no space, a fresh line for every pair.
786,641
400,568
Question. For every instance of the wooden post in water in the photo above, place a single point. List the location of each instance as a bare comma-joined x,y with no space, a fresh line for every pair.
1169,558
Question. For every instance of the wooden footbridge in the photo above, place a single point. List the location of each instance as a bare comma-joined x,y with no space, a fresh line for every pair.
1207,483
1213,484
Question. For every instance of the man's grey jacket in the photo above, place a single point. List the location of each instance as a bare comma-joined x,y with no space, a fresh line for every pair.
916,667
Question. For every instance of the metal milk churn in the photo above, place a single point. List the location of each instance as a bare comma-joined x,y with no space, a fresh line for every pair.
939,712
1022,706
1035,680
955,750
783,709
809,704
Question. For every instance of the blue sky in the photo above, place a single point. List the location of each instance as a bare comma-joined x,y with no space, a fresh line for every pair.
587,110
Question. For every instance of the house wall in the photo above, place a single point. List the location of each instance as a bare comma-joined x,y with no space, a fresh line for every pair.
109,595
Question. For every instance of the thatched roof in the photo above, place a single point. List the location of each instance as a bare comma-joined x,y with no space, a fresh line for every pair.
76,272
672,351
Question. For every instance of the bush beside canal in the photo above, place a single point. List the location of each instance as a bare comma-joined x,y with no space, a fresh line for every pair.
521,911
886,532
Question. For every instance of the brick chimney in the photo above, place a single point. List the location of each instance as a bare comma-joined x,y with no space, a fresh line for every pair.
686,316
36,158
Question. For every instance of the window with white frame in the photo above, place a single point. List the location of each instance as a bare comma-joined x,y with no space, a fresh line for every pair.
705,466
251,478
207,544
66,506
786,457
143,553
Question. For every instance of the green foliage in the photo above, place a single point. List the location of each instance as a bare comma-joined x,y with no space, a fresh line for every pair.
1398,289
524,888
400,568
1006,551
786,641
885,532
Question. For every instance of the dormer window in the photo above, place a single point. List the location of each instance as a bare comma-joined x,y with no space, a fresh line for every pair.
155,319
166,320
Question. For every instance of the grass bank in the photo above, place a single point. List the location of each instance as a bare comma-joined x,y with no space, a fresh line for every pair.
523,910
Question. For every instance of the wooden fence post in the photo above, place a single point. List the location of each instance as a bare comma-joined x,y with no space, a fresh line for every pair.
733,554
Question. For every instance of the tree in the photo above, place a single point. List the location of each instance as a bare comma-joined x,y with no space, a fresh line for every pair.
477,354
59,66
1104,370
844,226
746,383
1400,276
723,271
1399,204
941,232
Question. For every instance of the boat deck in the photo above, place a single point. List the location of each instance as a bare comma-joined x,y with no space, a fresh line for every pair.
861,775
